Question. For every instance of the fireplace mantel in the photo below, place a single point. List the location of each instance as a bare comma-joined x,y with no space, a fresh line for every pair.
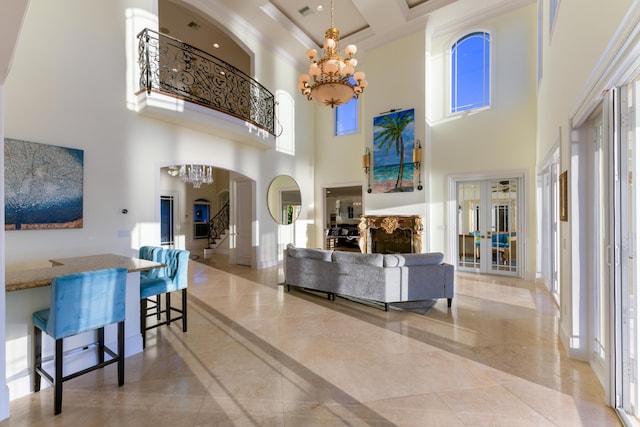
390,224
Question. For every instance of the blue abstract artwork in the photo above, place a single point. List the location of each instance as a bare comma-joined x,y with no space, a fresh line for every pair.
43,186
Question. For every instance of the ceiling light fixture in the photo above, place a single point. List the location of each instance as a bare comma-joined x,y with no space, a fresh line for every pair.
194,174
332,73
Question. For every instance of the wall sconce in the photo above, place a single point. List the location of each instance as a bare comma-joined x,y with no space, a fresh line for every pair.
366,165
417,160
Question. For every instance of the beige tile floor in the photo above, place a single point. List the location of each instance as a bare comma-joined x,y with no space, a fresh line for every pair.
256,355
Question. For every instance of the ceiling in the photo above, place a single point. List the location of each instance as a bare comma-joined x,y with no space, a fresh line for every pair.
291,27
356,19
278,23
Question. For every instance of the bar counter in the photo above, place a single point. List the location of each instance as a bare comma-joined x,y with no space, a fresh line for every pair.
30,290
39,277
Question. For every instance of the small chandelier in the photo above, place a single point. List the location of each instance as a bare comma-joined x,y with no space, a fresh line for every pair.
195,174
332,73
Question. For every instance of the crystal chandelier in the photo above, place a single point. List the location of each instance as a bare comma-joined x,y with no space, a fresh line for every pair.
332,73
196,175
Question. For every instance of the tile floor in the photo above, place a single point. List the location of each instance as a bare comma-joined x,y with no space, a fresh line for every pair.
256,355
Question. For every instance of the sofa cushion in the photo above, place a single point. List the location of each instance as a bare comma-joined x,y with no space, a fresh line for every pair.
319,254
357,258
399,260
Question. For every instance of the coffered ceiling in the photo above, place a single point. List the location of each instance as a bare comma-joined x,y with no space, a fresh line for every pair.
291,27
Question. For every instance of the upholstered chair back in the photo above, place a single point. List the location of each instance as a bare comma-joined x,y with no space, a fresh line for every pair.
152,253
177,261
86,301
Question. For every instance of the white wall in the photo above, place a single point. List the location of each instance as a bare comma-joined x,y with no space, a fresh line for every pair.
578,52
495,140
339,159
501,138
73,93
68,87
10,24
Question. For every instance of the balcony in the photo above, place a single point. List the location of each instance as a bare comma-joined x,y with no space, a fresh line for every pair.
181,83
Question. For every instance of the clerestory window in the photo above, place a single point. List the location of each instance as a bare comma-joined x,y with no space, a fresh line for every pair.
347,117
471,72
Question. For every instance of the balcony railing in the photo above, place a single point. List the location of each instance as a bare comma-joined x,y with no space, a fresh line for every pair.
175,68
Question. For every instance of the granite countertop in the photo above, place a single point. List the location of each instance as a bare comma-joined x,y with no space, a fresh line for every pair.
39,277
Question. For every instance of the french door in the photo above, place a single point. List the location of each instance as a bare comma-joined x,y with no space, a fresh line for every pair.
488,220
626,263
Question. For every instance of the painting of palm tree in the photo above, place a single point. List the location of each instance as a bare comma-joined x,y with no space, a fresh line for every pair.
393,140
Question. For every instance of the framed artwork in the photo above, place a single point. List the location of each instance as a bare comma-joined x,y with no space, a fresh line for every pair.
43,186
393,142
562,193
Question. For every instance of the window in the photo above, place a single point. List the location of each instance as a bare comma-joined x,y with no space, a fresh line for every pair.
166,220
347,117
470,72
539,42
285,121
553,12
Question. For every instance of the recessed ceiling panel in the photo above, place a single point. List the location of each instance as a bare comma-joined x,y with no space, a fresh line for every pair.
314,22
414,3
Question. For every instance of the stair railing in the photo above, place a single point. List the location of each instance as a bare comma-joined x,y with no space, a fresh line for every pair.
219,223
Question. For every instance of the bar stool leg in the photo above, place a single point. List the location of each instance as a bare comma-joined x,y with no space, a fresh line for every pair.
143,321
100,345
37,358
167,307
58,378
120,353
184,310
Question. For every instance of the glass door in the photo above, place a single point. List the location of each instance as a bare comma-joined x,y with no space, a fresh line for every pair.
627,209
469,204
487,225
598,218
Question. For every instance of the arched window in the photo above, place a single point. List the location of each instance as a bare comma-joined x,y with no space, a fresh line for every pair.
470,72
285,115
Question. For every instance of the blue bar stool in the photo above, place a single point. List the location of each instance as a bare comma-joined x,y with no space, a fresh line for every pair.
174,278
151,253
81,302
156,254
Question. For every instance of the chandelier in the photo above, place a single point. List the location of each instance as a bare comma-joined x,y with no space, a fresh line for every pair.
196,175
332,84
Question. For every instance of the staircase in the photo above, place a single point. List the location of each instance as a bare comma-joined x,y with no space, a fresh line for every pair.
218,227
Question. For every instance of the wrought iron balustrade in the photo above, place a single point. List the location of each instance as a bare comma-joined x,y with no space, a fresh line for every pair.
219,223
173,67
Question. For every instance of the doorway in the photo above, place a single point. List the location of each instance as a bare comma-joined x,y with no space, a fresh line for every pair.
167,224
487,223
241,218
342,211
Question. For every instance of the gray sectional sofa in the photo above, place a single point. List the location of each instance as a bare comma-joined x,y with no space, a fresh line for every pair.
384,278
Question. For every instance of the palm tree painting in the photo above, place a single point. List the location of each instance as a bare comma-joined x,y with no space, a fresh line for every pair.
393,140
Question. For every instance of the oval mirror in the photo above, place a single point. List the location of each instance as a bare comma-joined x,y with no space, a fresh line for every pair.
284,199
